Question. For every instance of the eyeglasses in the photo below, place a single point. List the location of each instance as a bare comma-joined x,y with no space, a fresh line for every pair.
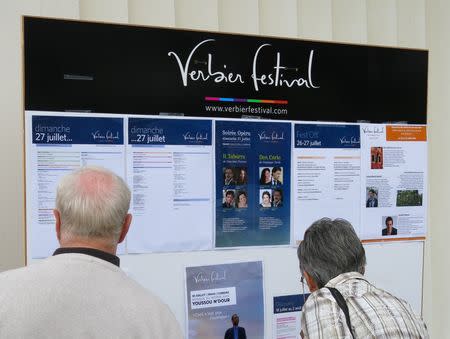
302,281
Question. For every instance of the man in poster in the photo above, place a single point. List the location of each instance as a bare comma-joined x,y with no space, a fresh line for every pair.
229,176
277,197
229,200
235,332
276,176
390,229
372,201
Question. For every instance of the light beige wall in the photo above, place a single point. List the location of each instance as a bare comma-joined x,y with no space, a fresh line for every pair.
388,22
438,25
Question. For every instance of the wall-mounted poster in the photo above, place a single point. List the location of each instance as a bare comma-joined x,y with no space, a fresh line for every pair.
214,293
327,169
253,183
287,312
393,177
169,168
57,144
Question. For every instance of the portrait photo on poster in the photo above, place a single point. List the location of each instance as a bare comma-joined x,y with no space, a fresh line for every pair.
272,176
389,225
371,197
228,200
265,198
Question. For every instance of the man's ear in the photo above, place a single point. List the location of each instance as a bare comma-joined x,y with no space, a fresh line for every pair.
125,227
310,281
57,216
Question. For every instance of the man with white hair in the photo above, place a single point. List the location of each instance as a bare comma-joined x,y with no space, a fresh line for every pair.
343,303
80,292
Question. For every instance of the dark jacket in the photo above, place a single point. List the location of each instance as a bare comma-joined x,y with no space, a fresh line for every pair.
372,202
384,231
229,334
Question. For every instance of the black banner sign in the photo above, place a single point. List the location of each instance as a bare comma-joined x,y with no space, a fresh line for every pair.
110,68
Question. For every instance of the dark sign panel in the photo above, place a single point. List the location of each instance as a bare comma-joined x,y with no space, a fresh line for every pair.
110,68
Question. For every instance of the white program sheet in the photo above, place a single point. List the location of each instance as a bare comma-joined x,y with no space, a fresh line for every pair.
56,144
326,174
170,171
394,181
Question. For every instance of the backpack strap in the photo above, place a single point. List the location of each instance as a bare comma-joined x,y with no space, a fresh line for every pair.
343,305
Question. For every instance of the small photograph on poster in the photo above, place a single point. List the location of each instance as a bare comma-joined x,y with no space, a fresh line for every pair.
228,198
409,198
371,196
376,157
242,199
242,178
215,293
389,225
271,176
265,177
277,197
229,176
277,176
265,200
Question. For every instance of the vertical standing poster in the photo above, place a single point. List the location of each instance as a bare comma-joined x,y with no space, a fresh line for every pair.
57,145
169,167
326,174
286,319
253,161
215,292
394,176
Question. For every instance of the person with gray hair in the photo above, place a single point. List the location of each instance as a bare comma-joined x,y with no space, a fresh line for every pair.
343,303
80,291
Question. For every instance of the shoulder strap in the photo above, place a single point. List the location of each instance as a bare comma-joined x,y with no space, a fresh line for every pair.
343,305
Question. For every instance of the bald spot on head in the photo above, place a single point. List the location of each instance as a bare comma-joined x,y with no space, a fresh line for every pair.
93,183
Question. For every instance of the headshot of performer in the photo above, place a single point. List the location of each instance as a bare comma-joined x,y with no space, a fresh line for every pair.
277,196
276,176
266,178
372,201
229,200
390,229
242,179
242,200
343,303
235,332
265,199
228,178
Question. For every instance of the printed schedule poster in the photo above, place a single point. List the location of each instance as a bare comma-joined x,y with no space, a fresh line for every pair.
55,146
214,293
286,320
169,168
327,169
394,177
253,161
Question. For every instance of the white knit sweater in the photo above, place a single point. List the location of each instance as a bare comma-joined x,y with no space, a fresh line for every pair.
80,296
